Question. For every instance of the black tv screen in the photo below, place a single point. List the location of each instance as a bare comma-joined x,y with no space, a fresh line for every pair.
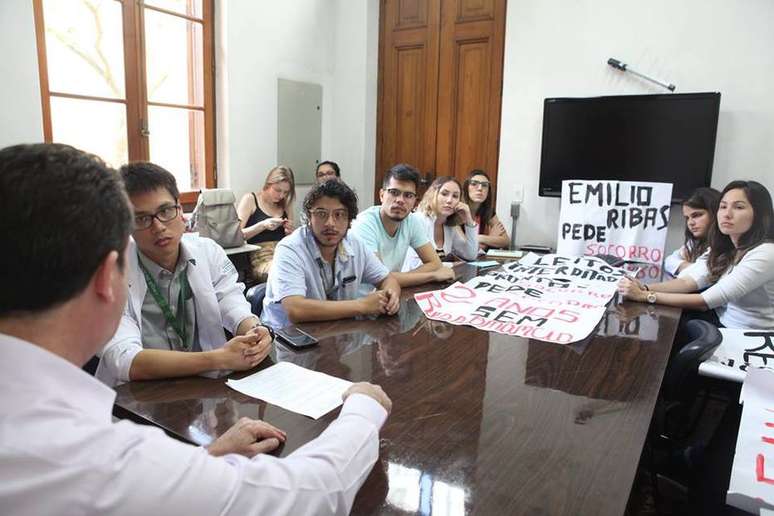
663,138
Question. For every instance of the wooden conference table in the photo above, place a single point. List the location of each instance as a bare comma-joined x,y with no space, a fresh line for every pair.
482,423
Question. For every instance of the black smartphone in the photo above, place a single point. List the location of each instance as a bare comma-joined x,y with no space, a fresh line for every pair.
295,338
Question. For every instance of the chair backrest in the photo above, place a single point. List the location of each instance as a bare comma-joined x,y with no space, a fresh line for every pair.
255,295
215,217
703,338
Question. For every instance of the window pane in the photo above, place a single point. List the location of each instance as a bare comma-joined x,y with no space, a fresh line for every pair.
94,126
84,47
191,8
174,53
177,144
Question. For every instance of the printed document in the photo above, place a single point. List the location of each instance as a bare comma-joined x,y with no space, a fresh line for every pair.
294,388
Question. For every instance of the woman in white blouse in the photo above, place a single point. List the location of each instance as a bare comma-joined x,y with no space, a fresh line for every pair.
447,221
736,277
699,211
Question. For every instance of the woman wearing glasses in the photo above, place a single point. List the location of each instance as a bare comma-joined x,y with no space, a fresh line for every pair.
266,217
447,221
476,193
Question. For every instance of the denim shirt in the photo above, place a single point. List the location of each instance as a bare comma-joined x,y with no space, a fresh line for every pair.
298,270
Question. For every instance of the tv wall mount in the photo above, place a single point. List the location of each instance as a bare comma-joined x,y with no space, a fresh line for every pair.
618,65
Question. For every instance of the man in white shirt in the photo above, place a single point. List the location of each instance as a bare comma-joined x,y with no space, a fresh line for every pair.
183,292
66,217
390,229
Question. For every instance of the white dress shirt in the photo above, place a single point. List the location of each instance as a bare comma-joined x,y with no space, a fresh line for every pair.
60,453
461,244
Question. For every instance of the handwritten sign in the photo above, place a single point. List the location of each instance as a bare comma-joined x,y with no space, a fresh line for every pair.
550,298
621,218
752,474
740,351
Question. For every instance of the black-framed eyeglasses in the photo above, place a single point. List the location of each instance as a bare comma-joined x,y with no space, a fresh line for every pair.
483,184
409,196
322,215
163,215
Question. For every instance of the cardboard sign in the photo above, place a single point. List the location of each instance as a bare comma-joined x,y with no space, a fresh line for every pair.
551,298
752,474
621,218
740,351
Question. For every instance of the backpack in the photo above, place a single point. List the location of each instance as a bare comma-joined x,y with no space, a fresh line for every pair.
215,217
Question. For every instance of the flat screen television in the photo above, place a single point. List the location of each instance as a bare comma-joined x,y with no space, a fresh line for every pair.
663,138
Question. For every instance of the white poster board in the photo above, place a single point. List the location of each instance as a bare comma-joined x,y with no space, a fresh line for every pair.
622,218
739,351
752,474
551,298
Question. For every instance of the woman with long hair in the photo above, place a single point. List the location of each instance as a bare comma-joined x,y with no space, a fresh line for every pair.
699,211
447,221
736,277
266,217
477,194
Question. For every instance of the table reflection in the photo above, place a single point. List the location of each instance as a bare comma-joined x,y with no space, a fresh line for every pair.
481,422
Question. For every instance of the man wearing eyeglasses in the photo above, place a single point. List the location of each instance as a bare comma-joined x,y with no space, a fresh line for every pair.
389,230
183,293
318,269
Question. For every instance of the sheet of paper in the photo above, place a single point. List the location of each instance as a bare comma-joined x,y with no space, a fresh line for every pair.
485,263
505,253
294,388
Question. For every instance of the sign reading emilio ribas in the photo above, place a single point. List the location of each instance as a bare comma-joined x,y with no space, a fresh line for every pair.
621,218
550,297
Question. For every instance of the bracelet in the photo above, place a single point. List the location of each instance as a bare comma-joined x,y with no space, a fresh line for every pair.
645,287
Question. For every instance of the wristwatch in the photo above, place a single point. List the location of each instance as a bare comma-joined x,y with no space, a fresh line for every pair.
651,297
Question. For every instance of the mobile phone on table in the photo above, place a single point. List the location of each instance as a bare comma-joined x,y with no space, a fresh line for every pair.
295,338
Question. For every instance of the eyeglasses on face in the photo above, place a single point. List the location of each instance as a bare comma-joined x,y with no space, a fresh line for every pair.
164,214
394,192
476,183
322,215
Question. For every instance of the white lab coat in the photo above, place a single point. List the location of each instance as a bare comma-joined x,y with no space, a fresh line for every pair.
219,300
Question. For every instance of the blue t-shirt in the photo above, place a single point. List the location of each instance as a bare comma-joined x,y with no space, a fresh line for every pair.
391,250
298,270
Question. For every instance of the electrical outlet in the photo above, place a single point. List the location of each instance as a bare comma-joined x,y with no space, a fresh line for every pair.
518,193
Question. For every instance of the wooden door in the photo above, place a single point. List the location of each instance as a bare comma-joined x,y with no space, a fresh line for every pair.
408,85
445,118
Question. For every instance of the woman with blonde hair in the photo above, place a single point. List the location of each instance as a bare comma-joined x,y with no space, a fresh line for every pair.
447,221
266,217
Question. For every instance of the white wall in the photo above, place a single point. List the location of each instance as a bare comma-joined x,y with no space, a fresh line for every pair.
355,58
21,120
557,48
267,41
332,43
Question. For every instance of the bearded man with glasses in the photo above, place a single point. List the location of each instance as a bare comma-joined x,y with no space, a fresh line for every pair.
183,293
318,269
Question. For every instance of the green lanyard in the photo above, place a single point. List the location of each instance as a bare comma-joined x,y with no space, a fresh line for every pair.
177,325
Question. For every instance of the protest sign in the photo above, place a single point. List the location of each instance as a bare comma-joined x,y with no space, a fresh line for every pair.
620,218
739,351
551,298
752,474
